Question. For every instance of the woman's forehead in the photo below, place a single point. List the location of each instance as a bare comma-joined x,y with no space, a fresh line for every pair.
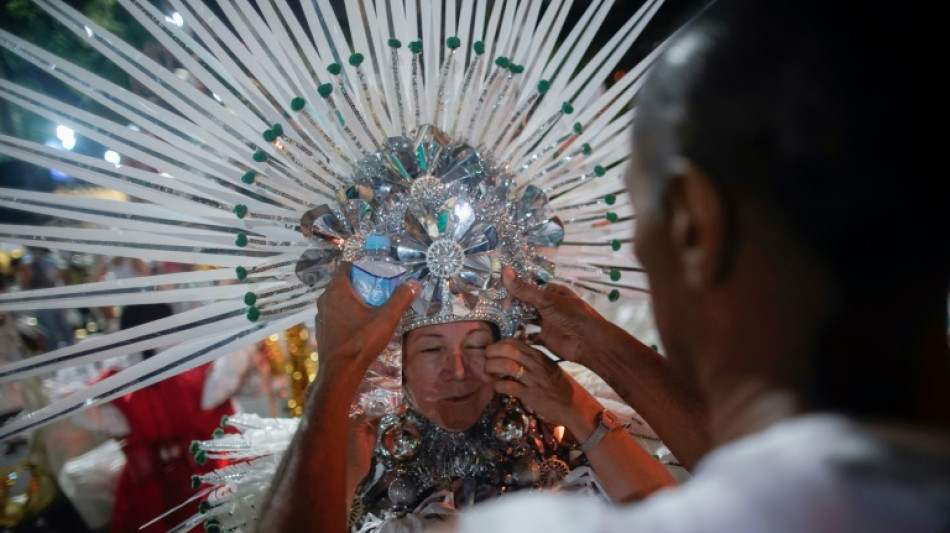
450,330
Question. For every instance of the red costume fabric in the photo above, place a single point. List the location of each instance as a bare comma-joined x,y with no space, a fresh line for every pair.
163,419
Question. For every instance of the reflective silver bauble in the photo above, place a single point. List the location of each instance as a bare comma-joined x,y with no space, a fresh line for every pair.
403,491
399,439
510,425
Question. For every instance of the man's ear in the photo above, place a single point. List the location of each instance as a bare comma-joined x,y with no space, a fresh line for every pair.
697,223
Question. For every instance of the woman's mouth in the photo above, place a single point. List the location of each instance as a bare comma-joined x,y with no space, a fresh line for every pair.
461,397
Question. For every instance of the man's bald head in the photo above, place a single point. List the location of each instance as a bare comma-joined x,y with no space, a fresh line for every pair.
804,107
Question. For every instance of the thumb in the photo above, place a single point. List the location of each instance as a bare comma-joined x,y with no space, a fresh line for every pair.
520,288
389,314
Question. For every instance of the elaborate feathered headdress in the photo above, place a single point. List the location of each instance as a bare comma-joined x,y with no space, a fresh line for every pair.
476,133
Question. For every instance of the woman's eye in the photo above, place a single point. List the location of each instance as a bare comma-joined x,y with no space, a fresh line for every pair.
476,347
435,349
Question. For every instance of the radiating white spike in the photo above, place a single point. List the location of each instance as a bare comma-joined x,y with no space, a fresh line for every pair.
176,92
148,372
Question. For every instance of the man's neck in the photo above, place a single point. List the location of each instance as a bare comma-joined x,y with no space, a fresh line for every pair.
748,405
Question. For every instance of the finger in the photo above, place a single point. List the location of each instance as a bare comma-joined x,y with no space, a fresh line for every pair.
513,350
502,368
509,387
341,274
520,288
559,290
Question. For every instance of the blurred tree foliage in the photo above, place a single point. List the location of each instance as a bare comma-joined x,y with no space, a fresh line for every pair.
26,20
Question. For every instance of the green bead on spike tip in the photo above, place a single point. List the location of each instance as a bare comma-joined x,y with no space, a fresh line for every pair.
195,482
544,86
614,274
615,245
610,199
586,149
479,47
277,129
241,240
241,273
250,299
356,59
612,217
195,446
249,176
260,156
335,68
453,42
204,506
253,314
240,210
325,90
269,135
217,433
502,62
224,420
567,108
415,47
578,128
394,43
201,457
599,171
297,103
516,69
614,295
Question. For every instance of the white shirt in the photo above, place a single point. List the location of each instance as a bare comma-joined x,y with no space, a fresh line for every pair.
816,474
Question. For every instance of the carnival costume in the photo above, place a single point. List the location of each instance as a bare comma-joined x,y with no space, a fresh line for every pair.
474,134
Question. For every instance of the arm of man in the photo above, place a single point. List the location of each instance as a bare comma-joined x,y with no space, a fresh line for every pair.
311,491
574,331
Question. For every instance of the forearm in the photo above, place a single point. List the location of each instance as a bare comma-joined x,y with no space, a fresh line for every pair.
309,491
645,381
626,470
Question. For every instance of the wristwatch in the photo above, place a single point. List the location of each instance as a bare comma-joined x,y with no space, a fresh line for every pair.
606,422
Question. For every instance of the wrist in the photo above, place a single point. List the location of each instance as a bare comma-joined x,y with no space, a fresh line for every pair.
581,416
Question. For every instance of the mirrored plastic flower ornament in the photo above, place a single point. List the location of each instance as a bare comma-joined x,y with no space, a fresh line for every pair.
451,254
541,233
335,233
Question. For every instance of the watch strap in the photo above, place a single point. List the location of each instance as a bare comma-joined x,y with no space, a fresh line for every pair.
605,424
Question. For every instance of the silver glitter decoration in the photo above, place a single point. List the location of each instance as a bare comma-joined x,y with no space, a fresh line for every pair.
428,190
352,249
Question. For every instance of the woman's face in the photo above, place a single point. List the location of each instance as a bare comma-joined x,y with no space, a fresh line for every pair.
443,372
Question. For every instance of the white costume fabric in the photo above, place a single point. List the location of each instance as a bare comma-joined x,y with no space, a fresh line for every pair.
818,473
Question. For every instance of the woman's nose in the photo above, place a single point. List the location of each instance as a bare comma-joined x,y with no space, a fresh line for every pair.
455,366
